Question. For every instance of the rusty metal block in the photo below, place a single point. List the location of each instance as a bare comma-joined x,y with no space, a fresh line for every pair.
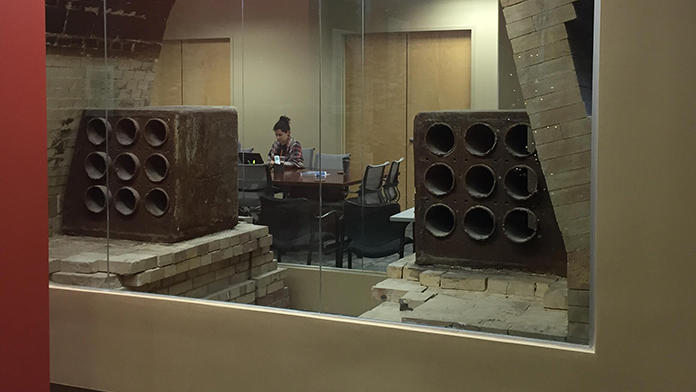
481,196
172,173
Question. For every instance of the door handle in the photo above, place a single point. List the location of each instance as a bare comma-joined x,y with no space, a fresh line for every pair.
410,140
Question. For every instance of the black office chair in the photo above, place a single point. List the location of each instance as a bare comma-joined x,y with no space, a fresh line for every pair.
370,191
295,225
370,233
253,182
390,189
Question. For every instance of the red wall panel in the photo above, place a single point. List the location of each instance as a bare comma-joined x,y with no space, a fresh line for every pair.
24,361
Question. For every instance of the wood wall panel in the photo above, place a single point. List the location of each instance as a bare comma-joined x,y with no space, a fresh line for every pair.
375,105
400,75
167,88
439,78
207,69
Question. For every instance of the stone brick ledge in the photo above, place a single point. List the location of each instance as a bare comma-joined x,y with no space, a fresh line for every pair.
234,265
467,279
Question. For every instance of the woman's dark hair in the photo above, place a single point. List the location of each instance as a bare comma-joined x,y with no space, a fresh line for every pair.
283,124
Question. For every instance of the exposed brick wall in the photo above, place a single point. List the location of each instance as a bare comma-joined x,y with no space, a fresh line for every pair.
552,46
82,74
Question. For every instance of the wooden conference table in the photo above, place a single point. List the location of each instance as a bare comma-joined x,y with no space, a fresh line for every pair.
333,187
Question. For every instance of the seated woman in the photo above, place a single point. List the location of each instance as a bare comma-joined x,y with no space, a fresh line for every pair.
285,145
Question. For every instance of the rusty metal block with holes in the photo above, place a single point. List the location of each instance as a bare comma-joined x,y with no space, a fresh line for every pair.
162,174
481,197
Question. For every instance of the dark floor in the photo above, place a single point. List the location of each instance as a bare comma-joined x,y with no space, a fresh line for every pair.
329,259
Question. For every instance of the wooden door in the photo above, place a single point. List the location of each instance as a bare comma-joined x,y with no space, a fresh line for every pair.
375,98
399,75
439,78
196,72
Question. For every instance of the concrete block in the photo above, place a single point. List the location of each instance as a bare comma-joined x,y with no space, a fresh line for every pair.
577,242
204,279
528,8
547,135
219,285
497,284
579,298
579,127
579,330
543,53
138,280
548,84
555,100
538,38
225,272
156,275
83,263
556,297
412,299
266,241
199,292
261,291
430,278
98,280
507,3
545,69
521,287
562,14
393,289
195,262
560,115
566,163
413,271
539,323
395,269
165,259
182,267
575,227
579,314
570,195
579,270
181,288
386,311
275,286
53,265
462,280
572,211
520,28
568,179
246,299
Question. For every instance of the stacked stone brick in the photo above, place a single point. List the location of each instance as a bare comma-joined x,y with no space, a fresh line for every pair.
552,46
234,266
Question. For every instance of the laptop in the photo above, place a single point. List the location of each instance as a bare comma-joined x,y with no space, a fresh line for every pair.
251,158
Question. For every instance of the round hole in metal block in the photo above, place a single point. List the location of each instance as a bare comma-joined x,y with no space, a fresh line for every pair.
127,131
98,129
157,202
156,167
96,165
479,223
126,166
156,132
439,139
480,139
440,220
127,201
521,182
439,179
480,181
96,198
519,141
520,225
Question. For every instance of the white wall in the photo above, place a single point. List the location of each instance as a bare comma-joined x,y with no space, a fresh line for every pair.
275,61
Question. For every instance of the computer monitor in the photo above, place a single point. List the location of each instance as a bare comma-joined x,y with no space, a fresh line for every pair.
250,158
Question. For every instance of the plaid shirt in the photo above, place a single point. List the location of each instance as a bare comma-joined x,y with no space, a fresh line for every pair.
292,152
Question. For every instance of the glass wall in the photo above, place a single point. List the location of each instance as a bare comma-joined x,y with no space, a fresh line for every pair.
435,154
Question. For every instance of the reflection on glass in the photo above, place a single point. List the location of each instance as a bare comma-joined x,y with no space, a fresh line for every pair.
442,143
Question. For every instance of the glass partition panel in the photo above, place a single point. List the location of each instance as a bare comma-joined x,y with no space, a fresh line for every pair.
79,92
